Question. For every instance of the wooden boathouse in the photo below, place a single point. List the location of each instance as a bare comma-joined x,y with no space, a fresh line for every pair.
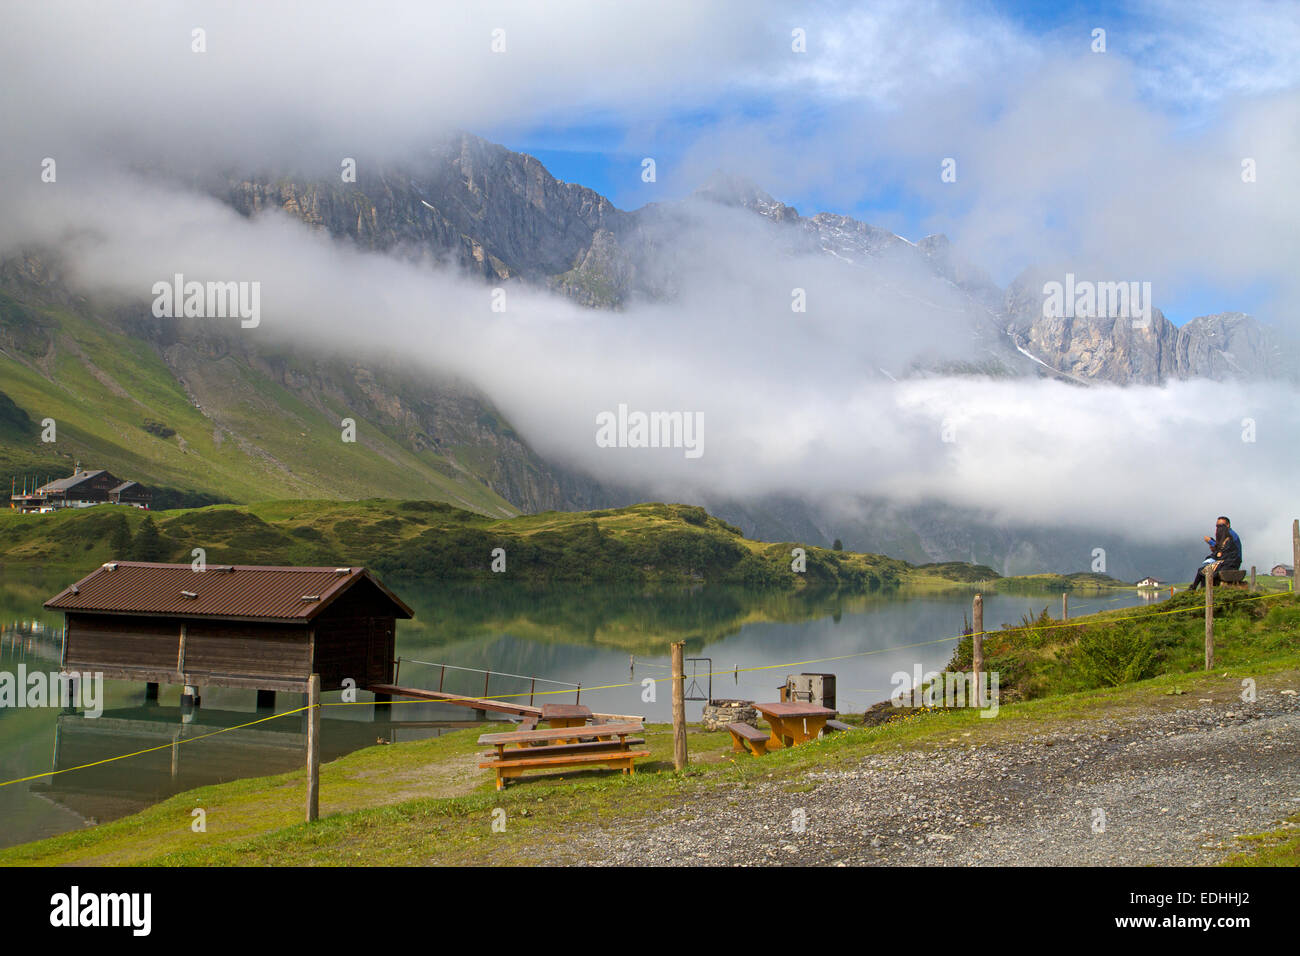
268,628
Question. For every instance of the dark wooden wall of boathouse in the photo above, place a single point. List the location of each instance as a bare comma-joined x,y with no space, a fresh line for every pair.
358,627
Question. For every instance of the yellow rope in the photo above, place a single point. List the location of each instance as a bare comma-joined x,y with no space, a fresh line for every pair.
51,773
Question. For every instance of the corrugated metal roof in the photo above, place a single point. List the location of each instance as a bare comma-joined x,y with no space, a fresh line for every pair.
64,484
227,591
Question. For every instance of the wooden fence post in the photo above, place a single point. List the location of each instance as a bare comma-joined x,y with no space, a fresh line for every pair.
313,748
1209,615
1295,551
977,645
1065,606
1252,579
679,706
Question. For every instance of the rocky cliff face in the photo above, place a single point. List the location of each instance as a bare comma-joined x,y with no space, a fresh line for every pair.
1125,351
1231,345
493,212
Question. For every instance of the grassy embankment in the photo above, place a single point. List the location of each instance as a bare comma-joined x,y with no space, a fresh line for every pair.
1043,655
948,575
426,801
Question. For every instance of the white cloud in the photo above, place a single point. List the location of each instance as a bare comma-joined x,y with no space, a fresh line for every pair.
1195,54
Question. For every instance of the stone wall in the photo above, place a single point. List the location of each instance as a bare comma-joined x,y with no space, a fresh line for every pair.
718,713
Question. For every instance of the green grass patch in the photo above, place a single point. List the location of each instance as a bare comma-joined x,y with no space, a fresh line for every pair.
1277,847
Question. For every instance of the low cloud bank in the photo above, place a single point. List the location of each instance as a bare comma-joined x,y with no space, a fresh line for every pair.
788,403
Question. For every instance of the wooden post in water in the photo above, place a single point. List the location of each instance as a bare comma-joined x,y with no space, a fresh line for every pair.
1209,616
977,645
1065,605
679,706
313,748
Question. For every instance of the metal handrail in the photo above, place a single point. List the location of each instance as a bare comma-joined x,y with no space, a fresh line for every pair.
487,677
479,670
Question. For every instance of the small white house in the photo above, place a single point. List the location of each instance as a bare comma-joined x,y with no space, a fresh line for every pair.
1149,583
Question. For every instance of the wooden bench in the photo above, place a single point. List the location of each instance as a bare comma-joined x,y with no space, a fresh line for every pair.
511,754
1237,577
742,734
593,745
836,726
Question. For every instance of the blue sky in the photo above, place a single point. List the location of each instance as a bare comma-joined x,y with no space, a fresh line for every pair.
1189,72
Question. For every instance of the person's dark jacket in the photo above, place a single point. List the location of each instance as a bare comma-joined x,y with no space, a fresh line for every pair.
1230,552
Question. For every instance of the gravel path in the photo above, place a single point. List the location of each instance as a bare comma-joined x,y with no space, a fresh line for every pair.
1175,785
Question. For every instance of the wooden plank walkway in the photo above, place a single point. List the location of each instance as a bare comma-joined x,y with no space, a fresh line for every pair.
477,703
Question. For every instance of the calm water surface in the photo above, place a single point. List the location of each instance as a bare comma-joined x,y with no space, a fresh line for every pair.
592,637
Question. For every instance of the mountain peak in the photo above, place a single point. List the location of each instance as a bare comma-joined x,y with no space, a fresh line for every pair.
729,189
936,244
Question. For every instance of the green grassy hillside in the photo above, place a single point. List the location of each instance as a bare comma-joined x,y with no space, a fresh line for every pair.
118,404
642,543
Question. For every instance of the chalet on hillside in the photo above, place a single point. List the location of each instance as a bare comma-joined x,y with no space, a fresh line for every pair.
83,489
1282,571
268,628
131,493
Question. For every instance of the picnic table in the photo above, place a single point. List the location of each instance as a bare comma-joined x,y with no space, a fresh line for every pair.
595,744
565,715
793,723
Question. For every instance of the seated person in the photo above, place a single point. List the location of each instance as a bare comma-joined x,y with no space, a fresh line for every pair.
1225,549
